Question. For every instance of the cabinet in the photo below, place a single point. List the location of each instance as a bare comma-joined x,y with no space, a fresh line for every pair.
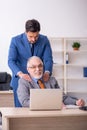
70,75
6,99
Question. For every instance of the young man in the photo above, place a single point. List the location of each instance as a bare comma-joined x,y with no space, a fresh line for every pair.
24,46
35,69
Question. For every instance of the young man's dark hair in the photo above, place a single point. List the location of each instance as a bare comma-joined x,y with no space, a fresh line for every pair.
32,26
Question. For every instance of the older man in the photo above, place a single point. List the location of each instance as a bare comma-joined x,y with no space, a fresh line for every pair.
35,70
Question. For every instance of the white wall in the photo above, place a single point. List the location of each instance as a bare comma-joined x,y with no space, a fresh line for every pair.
58,18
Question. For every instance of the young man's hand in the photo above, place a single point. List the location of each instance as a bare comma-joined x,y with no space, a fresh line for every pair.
46,76
24,76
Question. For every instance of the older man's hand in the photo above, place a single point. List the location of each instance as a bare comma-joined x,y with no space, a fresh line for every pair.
80,102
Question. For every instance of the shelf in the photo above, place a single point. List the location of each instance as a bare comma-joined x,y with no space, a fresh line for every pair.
55,65
76,65
84,92
75,92
79,51
70,76
60,51
75,78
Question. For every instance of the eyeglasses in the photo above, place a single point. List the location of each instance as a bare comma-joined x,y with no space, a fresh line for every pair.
34,67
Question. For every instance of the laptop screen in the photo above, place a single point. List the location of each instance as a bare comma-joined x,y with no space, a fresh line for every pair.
45,99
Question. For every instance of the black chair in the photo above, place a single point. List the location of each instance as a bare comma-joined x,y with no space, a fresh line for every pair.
5,79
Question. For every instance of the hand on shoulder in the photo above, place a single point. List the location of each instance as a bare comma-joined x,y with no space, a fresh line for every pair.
46,76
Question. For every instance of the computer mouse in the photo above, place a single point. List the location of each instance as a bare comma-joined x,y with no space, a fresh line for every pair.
83,108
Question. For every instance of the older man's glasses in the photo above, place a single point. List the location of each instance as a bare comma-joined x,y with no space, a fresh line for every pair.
35,67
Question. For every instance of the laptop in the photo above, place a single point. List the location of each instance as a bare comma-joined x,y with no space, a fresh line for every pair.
45,99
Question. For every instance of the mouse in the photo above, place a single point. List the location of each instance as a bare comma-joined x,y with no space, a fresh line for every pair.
83,108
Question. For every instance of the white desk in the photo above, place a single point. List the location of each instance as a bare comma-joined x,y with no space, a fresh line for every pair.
6,98
24,119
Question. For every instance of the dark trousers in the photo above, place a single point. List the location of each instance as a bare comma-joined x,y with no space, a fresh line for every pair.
16,101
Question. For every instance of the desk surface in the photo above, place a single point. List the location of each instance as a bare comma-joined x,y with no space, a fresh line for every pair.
25,112
24,119
6,92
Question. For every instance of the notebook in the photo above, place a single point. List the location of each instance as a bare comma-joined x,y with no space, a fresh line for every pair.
45,99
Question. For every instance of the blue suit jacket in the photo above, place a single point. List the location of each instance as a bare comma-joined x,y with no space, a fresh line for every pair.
20,51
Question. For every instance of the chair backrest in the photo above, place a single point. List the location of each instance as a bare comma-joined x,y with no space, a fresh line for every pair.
5,79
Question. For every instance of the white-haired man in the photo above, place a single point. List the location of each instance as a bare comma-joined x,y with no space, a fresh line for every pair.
35,70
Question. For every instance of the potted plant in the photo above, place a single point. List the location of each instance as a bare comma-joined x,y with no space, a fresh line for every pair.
76,45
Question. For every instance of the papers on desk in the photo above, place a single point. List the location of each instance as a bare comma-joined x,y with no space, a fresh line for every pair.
71,107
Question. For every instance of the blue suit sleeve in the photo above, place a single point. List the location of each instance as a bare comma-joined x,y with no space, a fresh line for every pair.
12,57
47,57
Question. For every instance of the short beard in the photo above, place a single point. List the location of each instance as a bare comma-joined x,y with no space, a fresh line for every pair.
39,77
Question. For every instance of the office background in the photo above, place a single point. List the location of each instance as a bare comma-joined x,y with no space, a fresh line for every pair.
58,18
